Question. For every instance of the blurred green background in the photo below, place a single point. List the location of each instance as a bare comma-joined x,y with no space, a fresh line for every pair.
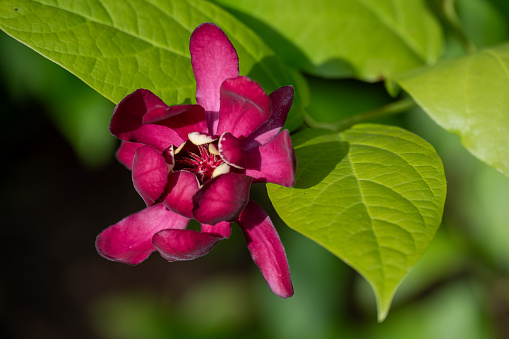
61,186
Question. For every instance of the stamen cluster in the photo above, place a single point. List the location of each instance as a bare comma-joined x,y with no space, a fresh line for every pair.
202,165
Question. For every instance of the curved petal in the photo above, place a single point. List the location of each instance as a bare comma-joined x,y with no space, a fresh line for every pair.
274,162
281,101
125,153
222,229
244,107
231,152
214,60
150,174
183,119
266,249
176,245
169,156
130,240
221,198
200,138
181,188
127,121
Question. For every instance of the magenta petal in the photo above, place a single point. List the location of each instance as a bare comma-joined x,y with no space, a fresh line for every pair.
125,153
130,240
222,229
181,188
176,245
221,198
244,107
231,152
127,121
214,60
150,173
266,249
281,101
274,162
183,119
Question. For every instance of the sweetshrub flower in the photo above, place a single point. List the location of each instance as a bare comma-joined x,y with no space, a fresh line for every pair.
198,162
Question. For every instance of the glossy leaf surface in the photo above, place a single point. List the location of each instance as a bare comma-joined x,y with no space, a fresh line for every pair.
468,96
372,195
367,39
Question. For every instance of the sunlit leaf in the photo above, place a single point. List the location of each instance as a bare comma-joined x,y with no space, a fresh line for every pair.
367,39
469,96
119,46
372,195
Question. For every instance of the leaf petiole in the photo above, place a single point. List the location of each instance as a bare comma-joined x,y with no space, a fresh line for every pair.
384,111
455,24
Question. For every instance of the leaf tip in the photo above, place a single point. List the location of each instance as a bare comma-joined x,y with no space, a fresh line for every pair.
383,301
382,313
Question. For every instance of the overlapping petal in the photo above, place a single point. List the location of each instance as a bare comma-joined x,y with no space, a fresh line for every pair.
183,119
177,245
150,173
125,153
222,229
281,101
127,121
182,186
244,107
266,249
274,162
231,151
130,240
222,198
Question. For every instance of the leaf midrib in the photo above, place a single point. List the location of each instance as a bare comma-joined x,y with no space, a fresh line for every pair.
372,229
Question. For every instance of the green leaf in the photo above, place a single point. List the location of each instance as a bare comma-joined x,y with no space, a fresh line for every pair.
372,195
367,39
469,96
119,46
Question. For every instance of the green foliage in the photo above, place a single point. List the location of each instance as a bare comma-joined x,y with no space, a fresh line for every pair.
468,96
118,47
372,195
369,40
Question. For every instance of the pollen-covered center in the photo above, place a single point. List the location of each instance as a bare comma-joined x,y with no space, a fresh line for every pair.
203,164
203,160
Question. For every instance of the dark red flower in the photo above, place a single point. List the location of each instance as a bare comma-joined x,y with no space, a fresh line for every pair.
198,162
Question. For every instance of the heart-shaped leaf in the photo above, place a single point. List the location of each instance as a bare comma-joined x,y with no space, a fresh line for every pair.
469,96
117,47
373,195
367,39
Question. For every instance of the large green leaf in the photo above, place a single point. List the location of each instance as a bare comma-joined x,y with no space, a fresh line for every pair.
119,46
368,39
373,195
469,96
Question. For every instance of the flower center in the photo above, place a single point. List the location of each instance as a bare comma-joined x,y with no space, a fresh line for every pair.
200,160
